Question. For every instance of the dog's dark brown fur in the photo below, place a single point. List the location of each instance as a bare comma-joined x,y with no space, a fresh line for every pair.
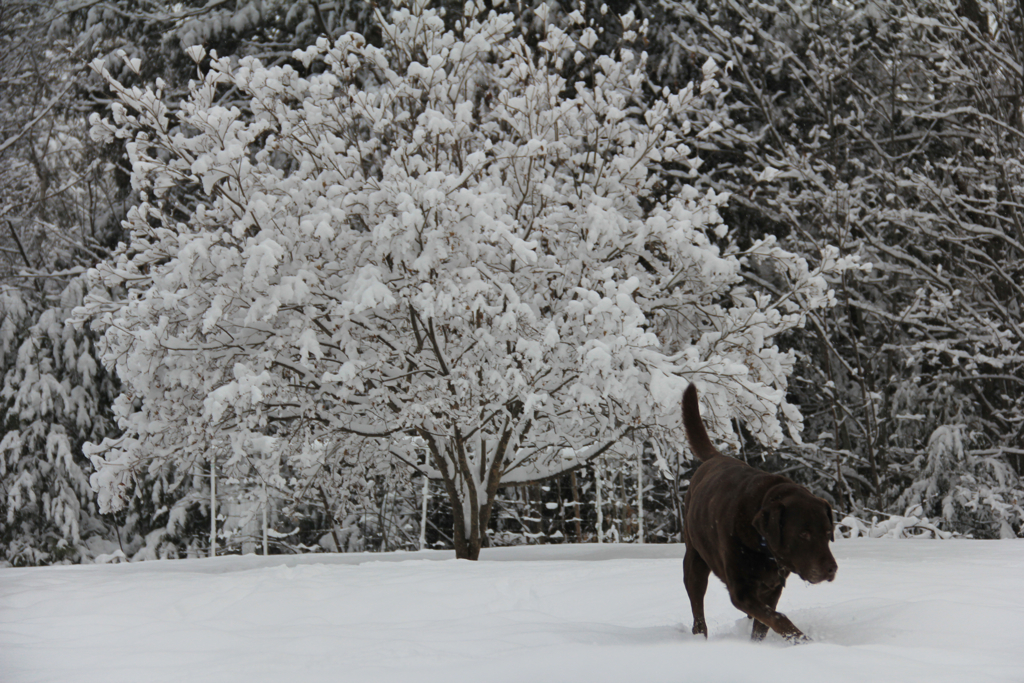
752,529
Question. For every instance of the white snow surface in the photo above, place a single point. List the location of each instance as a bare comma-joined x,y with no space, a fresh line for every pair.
899,610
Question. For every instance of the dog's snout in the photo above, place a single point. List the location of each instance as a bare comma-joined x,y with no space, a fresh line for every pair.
825,571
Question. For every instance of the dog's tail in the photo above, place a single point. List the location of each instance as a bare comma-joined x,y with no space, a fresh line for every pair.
697,435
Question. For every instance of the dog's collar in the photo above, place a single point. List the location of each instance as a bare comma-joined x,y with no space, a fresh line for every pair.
763,547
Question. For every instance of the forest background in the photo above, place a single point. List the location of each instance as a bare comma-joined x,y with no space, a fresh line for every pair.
881,133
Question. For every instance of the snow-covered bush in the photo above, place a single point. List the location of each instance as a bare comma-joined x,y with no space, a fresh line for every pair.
434,252
969,490
912,524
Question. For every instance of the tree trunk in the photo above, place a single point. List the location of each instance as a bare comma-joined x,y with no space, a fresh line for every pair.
467,533
467,543
423,513
466,548
640,495
213,508
576,505
600,502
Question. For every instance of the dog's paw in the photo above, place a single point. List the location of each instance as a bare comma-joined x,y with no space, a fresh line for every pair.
798,639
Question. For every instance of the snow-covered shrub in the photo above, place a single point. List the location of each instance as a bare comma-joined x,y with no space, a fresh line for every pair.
969,490
436,246
912,524
955,491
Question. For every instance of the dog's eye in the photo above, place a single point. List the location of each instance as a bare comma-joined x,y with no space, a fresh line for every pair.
806,535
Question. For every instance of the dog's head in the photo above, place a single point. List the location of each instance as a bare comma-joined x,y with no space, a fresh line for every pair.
797,528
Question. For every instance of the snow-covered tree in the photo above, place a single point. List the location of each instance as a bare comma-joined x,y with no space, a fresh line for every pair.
160,33
55,217
437,252
52,399
891,130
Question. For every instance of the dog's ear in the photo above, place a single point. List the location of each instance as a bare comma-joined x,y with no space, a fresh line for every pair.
768,522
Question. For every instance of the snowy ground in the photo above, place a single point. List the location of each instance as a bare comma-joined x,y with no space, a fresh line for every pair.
909,610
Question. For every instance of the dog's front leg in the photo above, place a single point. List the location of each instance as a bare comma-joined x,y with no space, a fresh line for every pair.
770,597
746,598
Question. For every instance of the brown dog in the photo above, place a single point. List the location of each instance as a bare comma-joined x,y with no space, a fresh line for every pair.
751,529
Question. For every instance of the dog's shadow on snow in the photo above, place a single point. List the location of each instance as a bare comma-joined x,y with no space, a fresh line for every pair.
615,634
854,623
862,622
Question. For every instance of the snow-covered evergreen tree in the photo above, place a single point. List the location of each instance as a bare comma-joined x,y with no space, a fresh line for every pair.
51,401
54,221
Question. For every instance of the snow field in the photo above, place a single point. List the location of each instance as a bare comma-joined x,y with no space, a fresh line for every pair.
902,611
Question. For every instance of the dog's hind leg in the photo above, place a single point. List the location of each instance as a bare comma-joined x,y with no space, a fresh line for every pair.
695,577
